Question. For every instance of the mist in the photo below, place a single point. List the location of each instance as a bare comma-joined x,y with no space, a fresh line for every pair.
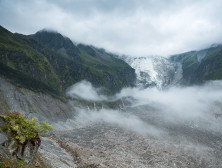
85,90
151,111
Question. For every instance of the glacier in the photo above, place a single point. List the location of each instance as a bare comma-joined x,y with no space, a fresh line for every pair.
155,71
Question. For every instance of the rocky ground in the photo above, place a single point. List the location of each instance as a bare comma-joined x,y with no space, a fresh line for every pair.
100,144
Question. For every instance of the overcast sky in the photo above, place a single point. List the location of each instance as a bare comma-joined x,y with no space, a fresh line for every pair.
133,27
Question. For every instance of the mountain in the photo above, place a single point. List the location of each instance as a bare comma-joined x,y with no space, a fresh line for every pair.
153,70
193,67
57,43
50,62
200,66
24,66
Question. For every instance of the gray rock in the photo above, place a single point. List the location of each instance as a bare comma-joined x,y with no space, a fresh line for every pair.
33,104
30,150
3,138
55,155
2,122
25,151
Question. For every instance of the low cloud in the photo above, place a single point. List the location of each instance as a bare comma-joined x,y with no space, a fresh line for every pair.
182,102
85,90
116,118
197,106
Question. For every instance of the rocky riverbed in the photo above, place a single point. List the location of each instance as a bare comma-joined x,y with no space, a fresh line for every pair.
102,144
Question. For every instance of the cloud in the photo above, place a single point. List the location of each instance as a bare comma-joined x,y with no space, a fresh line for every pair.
85,90
133,27
153,110
116,118
179,102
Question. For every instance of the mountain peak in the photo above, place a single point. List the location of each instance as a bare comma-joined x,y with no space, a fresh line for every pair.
57,42
48,31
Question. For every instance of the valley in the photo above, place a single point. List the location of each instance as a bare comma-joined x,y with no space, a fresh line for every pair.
112,110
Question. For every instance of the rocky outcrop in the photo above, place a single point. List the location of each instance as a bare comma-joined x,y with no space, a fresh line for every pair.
16,144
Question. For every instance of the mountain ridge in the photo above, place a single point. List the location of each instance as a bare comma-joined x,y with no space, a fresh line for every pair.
200,66
189,68
57,64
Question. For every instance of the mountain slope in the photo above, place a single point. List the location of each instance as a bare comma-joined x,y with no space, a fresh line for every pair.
25,66
90,63
200,66
194,67
49,62
57,43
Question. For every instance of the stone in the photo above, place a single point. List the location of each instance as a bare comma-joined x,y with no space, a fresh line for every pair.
30,150
25,151
3,138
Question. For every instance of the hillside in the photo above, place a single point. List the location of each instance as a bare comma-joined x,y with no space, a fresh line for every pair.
24,66
50,62
200,66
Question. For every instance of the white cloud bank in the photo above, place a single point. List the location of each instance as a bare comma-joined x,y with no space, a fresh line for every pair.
195,105
85,90
132,27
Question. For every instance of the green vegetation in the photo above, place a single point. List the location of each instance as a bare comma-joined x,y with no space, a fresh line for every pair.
26,67
83,62
197,72
21,130
211,66
19,127
24,129
12,163
190,65
43,127
49,62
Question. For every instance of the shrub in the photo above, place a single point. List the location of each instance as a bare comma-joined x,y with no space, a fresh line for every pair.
19,127
24,129
43,127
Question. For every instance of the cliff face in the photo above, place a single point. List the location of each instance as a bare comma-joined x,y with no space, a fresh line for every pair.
33,104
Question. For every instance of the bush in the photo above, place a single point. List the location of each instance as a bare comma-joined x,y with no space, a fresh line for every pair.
24,129
43,127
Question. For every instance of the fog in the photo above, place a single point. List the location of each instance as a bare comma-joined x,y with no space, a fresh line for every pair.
152,110
85,90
